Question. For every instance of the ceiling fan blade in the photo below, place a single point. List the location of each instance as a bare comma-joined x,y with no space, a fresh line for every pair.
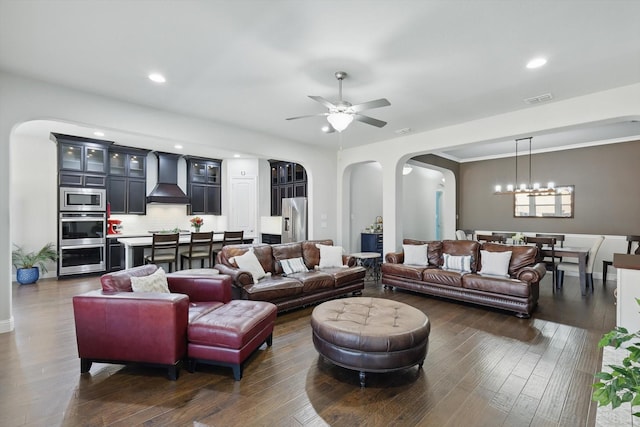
382,102
369,120
322,101
308,115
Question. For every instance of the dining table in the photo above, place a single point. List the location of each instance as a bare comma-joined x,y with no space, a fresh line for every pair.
582,254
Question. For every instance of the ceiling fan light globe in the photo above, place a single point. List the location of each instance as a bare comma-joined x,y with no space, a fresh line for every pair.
340,121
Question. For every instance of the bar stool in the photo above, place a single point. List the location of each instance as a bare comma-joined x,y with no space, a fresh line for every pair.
200,247
164,249
630,241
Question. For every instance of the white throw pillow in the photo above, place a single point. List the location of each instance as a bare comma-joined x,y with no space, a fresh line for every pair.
248,261
293,265
155,282
461,263
415,255
495,263
330,256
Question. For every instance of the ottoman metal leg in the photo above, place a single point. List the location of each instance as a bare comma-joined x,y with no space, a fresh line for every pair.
363,376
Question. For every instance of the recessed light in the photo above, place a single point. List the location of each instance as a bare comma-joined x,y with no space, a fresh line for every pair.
325,128
178,146
536,63
236,155
98,133
157,77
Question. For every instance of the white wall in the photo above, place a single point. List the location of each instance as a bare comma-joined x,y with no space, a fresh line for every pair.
366,200
418,203
603,106
24,100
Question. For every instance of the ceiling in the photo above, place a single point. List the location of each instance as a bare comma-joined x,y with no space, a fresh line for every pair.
251,64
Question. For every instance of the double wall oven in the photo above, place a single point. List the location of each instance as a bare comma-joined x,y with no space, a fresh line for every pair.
82,230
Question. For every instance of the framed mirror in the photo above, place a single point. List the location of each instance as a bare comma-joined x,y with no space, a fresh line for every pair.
540,205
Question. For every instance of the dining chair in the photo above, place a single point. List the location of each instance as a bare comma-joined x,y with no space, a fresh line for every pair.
200,247
461,235
164,249
630,241
573,266
559,238
551,263
507,235
491,238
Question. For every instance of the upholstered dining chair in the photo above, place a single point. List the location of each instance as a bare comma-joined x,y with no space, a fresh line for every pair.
630,241
573,266
164,249
559,238
461,235
491,238
200,247
550,263
506,235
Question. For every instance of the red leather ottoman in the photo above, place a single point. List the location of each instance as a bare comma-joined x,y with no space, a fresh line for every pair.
228,335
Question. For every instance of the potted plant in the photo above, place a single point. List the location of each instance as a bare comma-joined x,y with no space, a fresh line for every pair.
28,264
622,384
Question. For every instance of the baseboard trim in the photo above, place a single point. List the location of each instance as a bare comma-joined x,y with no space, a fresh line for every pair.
6,325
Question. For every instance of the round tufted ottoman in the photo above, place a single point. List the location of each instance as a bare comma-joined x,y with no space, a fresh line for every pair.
370,334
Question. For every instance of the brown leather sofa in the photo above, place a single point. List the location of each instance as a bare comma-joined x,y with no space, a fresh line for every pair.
117,325
297,289
518,292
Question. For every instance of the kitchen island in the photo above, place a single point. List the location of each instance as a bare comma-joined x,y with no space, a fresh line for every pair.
134,247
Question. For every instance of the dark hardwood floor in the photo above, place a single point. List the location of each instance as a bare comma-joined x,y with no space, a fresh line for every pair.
483,368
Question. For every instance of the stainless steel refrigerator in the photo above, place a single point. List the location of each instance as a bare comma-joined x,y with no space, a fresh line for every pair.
294,219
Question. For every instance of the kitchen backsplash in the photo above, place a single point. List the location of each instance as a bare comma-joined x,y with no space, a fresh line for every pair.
168,217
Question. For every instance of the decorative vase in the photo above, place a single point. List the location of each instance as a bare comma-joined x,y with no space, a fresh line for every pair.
197,228
26,276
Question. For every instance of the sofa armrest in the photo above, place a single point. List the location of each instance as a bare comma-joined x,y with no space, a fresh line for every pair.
532,274
349,260
202,288
395,257
240,278
131,326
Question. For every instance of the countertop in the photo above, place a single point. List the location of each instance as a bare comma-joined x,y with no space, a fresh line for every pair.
630,262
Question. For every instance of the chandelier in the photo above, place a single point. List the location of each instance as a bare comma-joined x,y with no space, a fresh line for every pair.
529,188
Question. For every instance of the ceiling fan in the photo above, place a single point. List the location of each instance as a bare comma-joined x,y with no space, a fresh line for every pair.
341,114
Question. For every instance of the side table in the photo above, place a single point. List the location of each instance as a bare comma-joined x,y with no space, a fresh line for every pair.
370,261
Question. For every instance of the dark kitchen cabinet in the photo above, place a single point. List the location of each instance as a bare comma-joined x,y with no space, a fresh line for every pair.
82,162
127,183
287,180
204,186
115,255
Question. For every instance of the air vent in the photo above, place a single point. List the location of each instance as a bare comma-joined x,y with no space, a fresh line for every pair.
538,99
403,131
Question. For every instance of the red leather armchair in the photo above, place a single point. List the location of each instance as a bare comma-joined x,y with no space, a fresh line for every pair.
116,325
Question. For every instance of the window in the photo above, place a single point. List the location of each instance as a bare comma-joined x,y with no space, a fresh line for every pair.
558,205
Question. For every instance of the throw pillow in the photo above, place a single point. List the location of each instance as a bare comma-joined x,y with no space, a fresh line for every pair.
330,256
293,265
248,261
495,263
155,282
461,263
415,254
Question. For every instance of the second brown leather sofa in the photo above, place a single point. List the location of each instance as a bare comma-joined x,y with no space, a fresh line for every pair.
518,292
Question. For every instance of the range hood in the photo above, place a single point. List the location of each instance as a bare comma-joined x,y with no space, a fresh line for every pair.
167,190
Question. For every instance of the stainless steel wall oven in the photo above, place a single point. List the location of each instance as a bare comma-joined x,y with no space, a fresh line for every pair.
82,239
